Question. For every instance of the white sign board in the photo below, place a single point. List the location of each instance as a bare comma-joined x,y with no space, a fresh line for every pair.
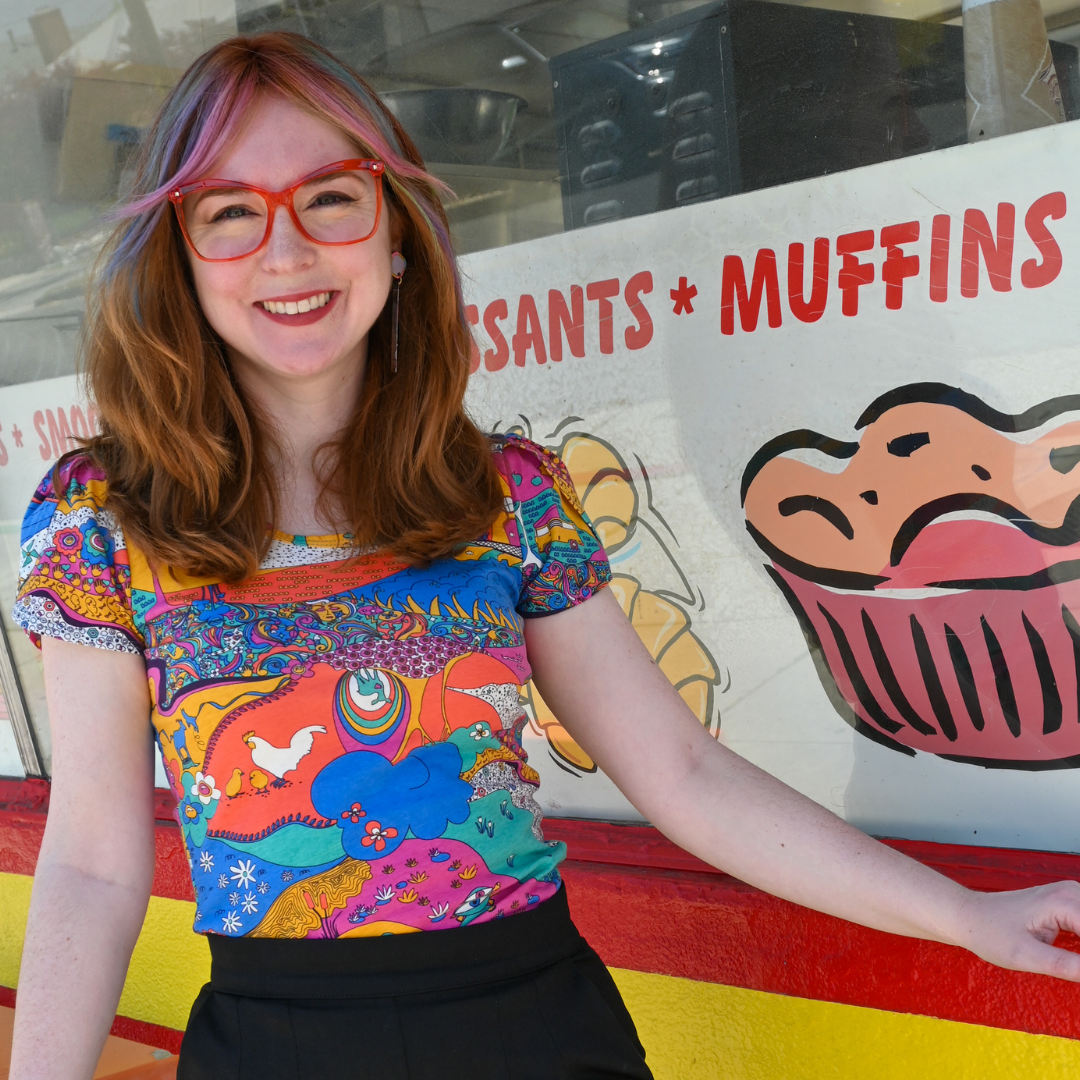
893,596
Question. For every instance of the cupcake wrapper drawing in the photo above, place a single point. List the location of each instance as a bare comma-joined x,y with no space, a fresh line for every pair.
936,574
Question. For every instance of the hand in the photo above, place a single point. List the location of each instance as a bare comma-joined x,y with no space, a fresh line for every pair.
1017,930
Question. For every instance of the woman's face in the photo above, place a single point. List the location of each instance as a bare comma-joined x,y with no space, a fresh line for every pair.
280,145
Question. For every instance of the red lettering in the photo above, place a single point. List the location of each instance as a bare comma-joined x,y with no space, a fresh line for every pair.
571,320
65,431
58,446
495,359
78,423
472,317
853,273
997,253
897,265
733,286
39,426
1035,274
637,337
602,292
529,335
939,258
803,310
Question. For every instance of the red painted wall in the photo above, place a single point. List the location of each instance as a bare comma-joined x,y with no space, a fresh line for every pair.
647,905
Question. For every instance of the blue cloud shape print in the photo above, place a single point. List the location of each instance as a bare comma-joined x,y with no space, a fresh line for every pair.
376,803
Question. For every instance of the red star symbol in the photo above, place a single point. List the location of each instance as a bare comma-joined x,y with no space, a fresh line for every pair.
16,434
682,297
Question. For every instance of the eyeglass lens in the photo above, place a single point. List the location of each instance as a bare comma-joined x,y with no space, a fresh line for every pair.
227,223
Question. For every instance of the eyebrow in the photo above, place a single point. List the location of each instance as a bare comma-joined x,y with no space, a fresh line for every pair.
240,185
226,187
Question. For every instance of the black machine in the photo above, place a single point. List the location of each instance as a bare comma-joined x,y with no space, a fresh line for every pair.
747,94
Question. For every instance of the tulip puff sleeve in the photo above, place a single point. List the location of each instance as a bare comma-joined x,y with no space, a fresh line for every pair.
563,561
75,580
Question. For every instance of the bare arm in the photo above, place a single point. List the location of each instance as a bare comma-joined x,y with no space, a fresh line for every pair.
593,671
96,864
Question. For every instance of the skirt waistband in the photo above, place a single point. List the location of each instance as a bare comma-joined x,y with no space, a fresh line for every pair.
423,962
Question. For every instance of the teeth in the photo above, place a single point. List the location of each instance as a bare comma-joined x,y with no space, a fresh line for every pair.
296,307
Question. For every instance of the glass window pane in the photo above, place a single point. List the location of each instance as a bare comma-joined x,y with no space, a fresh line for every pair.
10,762
80,83
542,116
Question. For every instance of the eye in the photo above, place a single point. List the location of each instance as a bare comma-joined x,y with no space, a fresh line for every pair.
232,213
331,198
1063,459
906,445
817,505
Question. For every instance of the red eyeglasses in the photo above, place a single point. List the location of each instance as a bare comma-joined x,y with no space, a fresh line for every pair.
338,204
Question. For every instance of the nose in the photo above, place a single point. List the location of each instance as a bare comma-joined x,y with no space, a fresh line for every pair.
287,249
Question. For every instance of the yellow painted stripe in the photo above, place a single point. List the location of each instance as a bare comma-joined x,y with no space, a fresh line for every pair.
14,904
703,1031
691,1030
168,966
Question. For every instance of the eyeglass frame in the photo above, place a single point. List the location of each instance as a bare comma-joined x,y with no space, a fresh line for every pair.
274,199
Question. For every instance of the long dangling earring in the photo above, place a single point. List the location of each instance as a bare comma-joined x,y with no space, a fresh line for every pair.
397,269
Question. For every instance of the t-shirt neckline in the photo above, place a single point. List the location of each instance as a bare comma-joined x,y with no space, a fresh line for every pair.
330,540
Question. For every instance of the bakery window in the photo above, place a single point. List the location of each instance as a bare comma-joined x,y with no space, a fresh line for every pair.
541,117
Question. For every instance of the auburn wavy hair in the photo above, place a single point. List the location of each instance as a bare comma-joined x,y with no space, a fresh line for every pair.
187,461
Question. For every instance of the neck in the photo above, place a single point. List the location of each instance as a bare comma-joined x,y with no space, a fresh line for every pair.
302,413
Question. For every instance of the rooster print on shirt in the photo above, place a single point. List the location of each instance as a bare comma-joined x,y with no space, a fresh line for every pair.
342,733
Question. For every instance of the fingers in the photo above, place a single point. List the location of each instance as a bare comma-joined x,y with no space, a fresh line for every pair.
1062,900
1042,959
1016,930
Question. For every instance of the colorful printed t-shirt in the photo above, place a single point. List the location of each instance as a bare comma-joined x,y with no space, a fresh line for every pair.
343,738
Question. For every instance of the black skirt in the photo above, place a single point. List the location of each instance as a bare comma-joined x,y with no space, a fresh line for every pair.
519,998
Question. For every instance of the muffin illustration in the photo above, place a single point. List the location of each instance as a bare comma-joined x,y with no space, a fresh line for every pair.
934,568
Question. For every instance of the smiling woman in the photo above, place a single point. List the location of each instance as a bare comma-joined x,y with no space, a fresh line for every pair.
290,549
271,527
245,134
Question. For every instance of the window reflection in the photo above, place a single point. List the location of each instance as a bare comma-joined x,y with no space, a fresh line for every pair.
10,762
541,116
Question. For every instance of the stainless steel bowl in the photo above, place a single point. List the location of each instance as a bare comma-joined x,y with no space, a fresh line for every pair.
460,126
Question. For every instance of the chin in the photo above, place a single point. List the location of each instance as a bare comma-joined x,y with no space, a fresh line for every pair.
301,367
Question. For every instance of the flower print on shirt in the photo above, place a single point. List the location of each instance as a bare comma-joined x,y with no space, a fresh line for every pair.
97,547
68,541
203,788
243,872
377,835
